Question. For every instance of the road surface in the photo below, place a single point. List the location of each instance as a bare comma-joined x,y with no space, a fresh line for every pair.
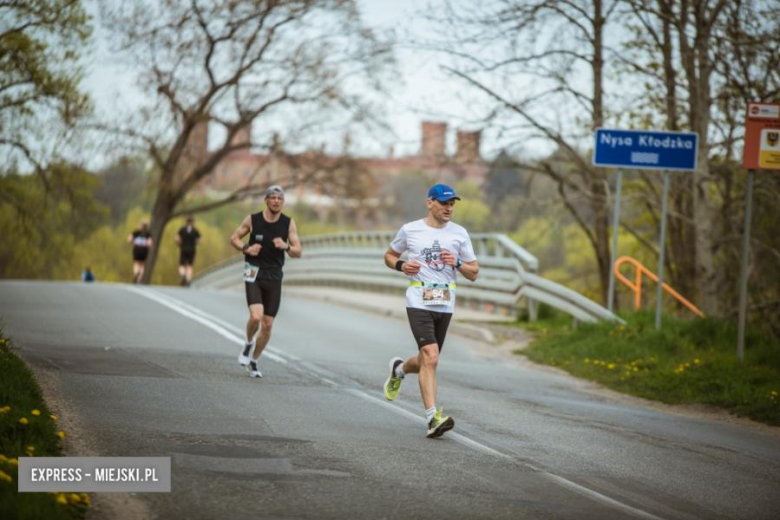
152,371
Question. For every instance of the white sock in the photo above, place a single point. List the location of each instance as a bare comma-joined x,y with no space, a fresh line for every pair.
429,413
399,371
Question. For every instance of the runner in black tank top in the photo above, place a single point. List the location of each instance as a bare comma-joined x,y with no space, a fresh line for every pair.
187,239
271,235
141,239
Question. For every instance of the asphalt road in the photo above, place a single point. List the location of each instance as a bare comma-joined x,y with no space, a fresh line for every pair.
153,372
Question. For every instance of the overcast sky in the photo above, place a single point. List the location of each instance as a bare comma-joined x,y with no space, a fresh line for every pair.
423,92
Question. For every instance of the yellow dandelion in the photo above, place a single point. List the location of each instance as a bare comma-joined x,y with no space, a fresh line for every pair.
85,499
774,393
622,327
61,499
24,421
636,369
611,366
587,361
30,448
61,434
13,462
36,412
53,417
5,476
697,361
5,409
74,498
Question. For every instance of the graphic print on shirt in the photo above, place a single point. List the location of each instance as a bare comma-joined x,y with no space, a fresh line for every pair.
432,256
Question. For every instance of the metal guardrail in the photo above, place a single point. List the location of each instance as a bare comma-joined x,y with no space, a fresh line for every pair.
355,260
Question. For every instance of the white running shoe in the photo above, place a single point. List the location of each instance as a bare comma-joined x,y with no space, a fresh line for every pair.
254,371
243,357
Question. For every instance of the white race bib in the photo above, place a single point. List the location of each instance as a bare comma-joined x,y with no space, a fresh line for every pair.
436,296
250,272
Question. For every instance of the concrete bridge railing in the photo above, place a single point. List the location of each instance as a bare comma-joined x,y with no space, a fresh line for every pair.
508,273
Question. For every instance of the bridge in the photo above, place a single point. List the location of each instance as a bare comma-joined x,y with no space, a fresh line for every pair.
508,275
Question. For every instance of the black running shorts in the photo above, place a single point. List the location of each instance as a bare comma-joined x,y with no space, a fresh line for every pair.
186,257
267,293
140,253
428,326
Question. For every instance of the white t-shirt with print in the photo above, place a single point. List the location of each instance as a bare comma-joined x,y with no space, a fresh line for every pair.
424,244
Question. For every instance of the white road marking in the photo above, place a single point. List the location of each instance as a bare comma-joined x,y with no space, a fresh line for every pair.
199,316
598,497
236,335
417,418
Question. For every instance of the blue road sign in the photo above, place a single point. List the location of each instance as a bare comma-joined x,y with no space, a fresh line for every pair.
646,149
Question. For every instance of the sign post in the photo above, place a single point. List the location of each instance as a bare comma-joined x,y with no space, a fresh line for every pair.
613,253
761,152
661,250
644,150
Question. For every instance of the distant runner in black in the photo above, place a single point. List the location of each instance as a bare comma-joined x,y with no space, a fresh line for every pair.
141,239
187,238
271,234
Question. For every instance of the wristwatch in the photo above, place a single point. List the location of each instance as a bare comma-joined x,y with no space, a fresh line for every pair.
458,263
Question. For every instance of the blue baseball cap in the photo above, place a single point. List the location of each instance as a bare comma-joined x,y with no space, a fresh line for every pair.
442,193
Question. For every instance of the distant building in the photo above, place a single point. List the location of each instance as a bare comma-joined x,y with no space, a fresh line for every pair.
302,170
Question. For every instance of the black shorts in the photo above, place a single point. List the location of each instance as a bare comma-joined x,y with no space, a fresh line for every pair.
428,326
186,257
265,292
140,253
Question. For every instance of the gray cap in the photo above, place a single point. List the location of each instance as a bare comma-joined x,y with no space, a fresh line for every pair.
274,190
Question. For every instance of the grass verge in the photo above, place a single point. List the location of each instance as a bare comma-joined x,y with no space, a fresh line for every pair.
27,429
687,362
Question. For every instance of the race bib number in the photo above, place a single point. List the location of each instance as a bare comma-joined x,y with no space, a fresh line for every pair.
436,296
250,272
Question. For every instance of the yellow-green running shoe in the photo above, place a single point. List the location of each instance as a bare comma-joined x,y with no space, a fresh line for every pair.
393,383
438,425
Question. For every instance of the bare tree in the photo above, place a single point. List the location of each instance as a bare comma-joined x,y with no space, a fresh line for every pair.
726,54
237,64
558,46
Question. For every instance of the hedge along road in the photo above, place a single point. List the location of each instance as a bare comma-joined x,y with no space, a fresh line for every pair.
153,372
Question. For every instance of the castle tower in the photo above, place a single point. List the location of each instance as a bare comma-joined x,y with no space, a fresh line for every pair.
434,139
468,147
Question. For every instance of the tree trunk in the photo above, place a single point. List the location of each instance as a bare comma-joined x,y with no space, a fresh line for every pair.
161,214
682,233
598,185
697,67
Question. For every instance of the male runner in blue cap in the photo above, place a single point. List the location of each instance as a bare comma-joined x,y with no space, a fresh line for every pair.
437,250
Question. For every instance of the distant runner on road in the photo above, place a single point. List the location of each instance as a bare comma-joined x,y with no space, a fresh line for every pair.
187,239
437,250
141,239
271,234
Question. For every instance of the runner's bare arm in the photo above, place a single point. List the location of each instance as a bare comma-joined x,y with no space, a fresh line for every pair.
468,269
130,238
236,239
295,249
177,238
408,268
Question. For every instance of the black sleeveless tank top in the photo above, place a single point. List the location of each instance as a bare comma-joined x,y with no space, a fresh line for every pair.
270,258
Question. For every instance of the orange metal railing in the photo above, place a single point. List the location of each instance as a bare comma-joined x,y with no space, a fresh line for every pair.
636,286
